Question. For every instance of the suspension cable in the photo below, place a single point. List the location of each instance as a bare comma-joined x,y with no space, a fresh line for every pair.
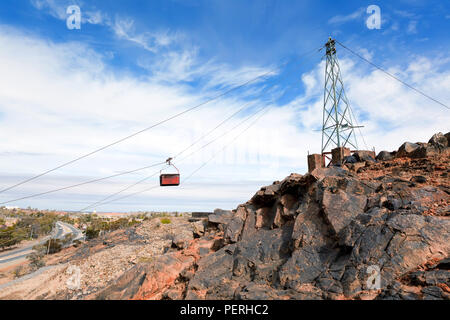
192,173
392,76
145,129
82,183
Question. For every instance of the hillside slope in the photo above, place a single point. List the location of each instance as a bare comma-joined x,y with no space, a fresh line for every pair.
369,229
365,230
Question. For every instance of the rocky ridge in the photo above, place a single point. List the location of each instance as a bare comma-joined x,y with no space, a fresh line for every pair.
366,229
369,229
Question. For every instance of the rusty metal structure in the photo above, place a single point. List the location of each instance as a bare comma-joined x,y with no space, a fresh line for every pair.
337,128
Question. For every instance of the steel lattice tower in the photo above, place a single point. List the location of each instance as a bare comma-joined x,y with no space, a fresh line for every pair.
337,128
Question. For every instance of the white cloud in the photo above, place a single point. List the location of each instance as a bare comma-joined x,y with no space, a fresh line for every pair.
340,19
124,28
58,101
57,9
392,113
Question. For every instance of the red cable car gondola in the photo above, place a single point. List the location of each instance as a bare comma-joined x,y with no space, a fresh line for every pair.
169,179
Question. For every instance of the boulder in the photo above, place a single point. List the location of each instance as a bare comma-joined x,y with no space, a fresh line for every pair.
355,166
181,239
220,212
199,228
424,151
350,159
266,196
385,156
364,155
439,140
406,149
148,280
220,216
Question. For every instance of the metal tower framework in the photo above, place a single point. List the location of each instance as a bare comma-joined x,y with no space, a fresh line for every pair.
337,128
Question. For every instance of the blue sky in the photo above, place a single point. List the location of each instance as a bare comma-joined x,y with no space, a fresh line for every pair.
132,63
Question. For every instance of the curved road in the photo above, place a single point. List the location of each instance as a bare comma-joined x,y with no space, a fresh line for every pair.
19,255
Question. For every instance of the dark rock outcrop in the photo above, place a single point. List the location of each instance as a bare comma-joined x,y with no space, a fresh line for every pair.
364,155
385,155
379,232
317,236
407,149
439,140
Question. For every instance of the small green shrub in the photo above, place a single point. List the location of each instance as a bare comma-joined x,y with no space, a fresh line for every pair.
165,221
145,259
53,245
36,260
18,272
92,233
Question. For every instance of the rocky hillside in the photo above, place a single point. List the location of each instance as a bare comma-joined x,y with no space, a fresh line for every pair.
369,229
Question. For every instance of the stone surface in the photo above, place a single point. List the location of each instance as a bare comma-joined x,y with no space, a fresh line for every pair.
406,149
385,155
424,151
199,228
340,208
220,216
439,140
447,135
364,155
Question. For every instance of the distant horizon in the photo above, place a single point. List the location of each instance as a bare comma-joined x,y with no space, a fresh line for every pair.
102,212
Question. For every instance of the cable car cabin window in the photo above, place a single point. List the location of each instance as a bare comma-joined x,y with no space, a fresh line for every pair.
169,179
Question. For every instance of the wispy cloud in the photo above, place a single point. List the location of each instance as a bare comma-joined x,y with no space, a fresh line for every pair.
340,19
75,103
57,9
124,28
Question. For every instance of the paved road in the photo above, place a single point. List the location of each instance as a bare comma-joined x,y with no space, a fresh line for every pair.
77,234
60,230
